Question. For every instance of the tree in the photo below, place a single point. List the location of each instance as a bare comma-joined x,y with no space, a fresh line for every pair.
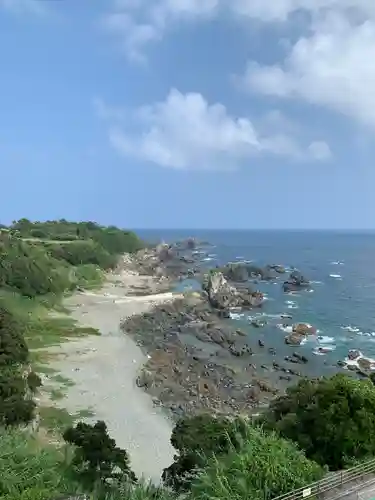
15,405
263,467
197,438
97,458
13,348
332,419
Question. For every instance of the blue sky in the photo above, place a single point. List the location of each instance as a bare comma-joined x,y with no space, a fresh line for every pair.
188,113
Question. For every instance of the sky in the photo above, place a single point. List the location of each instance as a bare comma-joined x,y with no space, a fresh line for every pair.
241,114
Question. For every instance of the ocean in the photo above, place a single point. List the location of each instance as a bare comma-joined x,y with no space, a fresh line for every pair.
341,303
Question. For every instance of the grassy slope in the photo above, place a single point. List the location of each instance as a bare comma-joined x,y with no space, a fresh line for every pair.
35,273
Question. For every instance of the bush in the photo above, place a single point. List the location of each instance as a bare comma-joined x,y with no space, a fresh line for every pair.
264,467
83,252
197,438
29,269
13,348
97,459
332,419
112,239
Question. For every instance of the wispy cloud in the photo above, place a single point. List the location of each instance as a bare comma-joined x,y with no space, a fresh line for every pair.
331,66
137,23
186,132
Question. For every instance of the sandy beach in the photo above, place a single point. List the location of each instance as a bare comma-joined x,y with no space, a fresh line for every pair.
104,370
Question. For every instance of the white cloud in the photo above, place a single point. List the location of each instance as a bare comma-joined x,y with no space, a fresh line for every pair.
136,23
186,132
332,67
281,10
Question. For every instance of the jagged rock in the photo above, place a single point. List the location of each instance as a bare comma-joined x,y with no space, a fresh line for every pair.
353,354
304,329
145,379
277,268
294,338
243,271
236,272
364,364
222,295
295,282
240,351
300,357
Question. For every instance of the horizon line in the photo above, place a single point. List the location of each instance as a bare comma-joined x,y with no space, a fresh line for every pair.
254,229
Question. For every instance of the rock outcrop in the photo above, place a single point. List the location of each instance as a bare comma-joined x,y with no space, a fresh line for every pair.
295,282
222,295
299,332
243,271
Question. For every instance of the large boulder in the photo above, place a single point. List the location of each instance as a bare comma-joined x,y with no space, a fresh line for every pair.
277,268
222,295
295,282
243,271
164,252
236,272
294,338
304,329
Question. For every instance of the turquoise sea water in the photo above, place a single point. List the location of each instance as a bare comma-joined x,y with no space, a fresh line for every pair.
341,267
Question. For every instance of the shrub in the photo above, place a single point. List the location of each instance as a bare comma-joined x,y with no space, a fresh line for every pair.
28,268
13,348
97,459
263,467
197,438
332,419
83,252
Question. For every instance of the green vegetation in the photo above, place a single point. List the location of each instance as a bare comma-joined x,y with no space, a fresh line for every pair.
331,419
319,425
39,258
262,467
39,263
97,461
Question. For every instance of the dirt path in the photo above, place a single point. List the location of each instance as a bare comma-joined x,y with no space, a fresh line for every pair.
104,368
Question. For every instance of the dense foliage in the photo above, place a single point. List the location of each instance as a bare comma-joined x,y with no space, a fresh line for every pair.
16,387
84,252
39,258
30,269
262,467
197,438
13,348
97,459
29,472
111,238
332,419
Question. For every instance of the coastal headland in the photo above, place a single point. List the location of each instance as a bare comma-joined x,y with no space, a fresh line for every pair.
163,353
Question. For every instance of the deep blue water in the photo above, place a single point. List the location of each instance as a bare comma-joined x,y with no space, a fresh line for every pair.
335,305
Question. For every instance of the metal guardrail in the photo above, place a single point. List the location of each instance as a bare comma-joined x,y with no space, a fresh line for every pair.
331,482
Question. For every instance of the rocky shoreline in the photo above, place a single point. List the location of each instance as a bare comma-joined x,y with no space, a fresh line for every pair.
197,359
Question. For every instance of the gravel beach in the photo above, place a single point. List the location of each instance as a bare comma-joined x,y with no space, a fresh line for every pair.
104,370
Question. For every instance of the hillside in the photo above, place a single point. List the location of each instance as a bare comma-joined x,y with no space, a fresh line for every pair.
317,426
